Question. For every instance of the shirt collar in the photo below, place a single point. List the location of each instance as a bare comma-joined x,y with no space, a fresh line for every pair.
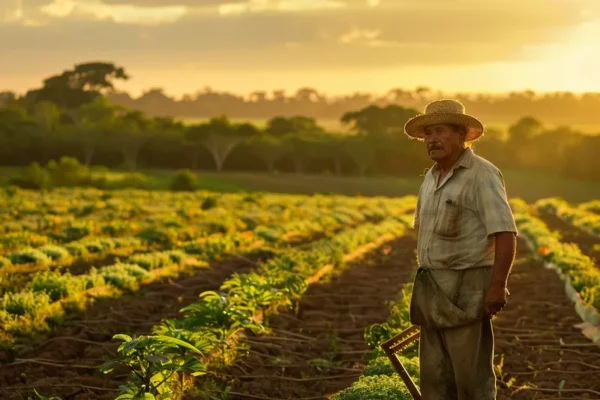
465,160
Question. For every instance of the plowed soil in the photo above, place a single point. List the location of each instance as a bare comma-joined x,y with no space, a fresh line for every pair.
537,344
66,363
320,350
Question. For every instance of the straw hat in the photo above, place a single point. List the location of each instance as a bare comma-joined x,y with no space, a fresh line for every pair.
444,112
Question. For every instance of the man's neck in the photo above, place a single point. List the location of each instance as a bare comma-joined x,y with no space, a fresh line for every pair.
446,165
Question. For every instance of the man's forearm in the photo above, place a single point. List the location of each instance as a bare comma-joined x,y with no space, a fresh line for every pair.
505,256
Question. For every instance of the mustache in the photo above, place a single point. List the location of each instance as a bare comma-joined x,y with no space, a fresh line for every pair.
435,147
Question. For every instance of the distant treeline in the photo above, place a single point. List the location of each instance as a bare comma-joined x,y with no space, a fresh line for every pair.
561,108
71,116
558,108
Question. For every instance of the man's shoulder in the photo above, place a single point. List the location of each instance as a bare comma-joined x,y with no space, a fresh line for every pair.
482,165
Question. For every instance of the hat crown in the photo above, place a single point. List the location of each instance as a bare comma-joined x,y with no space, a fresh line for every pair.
445,107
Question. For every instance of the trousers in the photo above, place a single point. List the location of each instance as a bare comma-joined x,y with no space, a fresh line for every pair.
456,362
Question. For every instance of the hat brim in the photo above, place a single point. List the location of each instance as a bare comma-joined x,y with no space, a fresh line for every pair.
415,126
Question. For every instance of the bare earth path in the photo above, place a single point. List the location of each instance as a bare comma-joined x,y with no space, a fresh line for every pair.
536,341
320,351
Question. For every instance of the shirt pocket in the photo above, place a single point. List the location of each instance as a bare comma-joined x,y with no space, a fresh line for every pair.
448,217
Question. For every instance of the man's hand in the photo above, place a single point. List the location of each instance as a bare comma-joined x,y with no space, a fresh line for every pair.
495,300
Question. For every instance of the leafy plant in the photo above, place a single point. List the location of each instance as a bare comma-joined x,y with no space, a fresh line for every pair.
155,361
184,180
377,387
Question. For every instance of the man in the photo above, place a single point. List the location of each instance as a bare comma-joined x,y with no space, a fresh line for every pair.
466,248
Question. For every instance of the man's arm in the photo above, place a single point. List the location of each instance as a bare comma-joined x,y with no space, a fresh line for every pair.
496,215
506,245
504,258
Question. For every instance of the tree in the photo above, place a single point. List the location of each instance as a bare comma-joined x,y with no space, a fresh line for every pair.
331,148
281,126
47,117
362,149
375,120
17,129
219,136
301,149
520,136
524,129
95,120
270,149
73,88
131,132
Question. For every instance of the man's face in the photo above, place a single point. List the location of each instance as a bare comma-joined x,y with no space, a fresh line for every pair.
442,142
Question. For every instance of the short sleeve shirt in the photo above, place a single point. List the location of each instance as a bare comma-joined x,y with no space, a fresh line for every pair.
457,219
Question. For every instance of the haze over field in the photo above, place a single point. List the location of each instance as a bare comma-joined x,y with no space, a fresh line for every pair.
337,46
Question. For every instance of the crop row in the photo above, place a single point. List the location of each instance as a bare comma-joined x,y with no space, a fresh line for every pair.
593,206
380,380
581,217
50,294
582,278
205,338
219,216
171,235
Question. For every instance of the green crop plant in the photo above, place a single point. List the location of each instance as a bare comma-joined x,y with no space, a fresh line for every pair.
157,364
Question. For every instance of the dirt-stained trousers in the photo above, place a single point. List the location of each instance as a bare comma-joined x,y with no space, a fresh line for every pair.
456,363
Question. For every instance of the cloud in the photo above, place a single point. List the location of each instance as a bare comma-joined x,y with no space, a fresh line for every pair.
118,13
356,35
12,12
163,3
393,33
252,6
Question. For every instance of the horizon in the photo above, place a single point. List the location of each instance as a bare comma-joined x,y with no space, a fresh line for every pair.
335,46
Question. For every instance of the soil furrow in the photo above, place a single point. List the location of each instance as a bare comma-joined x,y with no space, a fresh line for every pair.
87,336
537,343
589,244
320,350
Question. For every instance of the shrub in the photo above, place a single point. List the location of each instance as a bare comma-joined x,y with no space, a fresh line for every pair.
120,180
184,180
68,172
33,177
208,203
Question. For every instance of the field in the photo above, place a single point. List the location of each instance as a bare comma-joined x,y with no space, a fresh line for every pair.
528,185
254,295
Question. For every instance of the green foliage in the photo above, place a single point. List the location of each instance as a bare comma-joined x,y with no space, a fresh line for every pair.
155,360
108,180
56,285
166,237
56,253
383,366
209,203
68,172
33,177
29,256
184,180
378,387
123,276
24,303
150,261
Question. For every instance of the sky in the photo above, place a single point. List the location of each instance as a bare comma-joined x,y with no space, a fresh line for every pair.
335,46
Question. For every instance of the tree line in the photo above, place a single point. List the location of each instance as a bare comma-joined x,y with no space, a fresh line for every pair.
70,115
555,108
